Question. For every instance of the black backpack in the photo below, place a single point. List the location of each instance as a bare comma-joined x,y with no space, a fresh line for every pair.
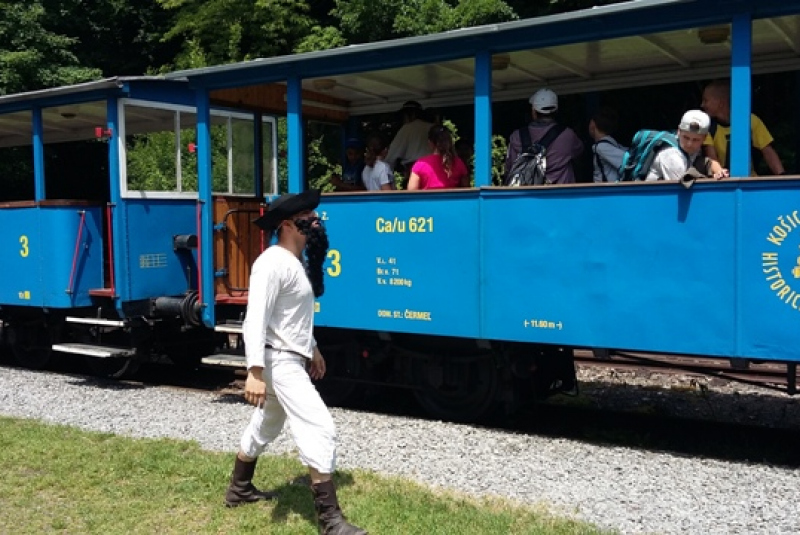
530,167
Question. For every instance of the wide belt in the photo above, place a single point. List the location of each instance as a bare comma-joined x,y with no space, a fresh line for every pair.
285,351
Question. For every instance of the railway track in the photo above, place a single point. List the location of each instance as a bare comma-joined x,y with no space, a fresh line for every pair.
777,376
769,375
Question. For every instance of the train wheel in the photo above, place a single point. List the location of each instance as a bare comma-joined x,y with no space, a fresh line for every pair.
461,389
113,368
343,363
32,344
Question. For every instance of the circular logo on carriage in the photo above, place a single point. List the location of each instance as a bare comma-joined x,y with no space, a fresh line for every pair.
780,261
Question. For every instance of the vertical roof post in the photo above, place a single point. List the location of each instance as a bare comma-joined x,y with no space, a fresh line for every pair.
741,73
483,118
294,131
205,250
38,155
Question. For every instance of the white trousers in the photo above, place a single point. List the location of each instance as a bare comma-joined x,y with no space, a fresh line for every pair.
292,397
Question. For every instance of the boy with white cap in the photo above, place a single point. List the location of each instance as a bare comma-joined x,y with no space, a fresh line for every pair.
561,152
673,163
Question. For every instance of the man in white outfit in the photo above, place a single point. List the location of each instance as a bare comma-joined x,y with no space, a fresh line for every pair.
281,355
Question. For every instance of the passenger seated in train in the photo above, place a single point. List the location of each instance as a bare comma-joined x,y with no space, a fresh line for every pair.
673,163
350,179
717,104
443,168
377,174
562,151
607,152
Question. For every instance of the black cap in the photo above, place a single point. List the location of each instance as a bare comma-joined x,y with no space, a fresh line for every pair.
285,206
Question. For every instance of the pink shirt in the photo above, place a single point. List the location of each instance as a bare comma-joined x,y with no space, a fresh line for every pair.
433,176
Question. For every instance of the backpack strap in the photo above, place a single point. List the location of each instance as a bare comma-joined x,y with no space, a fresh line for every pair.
551,135
525,138
597,160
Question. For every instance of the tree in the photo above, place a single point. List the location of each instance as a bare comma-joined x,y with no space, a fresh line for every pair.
364,21
237,30
33,57
119,37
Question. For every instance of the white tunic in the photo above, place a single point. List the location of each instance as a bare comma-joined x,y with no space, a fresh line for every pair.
410,144
280,307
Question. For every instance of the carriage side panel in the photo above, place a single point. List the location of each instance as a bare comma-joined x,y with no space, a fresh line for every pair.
769,260
642,267
52,254
402,262
155,268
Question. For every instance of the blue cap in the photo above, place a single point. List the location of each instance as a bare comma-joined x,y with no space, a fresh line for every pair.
353,143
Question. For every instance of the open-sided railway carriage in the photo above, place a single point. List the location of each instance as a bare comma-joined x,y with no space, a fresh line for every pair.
469,297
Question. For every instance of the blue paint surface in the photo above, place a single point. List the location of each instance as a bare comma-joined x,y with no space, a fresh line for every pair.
403,263
154,268
653,267
38,250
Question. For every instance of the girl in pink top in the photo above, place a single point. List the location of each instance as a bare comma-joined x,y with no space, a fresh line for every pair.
442,169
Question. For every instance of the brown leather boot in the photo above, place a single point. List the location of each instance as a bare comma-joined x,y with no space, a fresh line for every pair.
241,490
331,520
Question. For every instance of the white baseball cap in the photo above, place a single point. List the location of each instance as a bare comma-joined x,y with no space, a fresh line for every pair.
695,121
544,101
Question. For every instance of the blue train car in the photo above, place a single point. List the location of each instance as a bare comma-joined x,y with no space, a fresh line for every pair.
467,297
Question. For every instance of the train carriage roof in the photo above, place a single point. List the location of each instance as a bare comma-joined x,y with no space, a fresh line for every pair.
637,43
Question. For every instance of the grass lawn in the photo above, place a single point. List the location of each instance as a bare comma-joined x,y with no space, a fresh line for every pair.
59,479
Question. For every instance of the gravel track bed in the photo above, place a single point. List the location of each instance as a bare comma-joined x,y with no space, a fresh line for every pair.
631,490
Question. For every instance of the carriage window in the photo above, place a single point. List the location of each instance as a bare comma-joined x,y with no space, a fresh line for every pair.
71,146
269,156
16,157
161,151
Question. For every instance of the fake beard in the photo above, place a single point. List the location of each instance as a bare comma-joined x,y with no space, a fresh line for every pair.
316,249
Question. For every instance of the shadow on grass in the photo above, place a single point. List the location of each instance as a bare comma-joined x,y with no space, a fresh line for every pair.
295,498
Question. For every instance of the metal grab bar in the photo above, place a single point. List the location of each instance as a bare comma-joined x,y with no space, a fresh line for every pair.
75,254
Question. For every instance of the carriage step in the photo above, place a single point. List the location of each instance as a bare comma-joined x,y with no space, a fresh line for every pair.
102,292
96,321
89,350
228,328
225,360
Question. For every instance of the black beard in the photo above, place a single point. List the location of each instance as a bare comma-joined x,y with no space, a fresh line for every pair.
316,249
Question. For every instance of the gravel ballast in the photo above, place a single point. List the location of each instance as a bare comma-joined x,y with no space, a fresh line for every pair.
631,490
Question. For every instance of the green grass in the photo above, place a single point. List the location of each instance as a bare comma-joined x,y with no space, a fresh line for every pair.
59,479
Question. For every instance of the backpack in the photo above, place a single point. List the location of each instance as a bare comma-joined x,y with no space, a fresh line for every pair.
530,167
639,157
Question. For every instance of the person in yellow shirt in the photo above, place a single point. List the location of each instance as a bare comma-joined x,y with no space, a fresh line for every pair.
717,103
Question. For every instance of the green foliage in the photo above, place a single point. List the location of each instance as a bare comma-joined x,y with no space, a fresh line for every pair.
499,150
119,37
151,161
321,39
33,57
236,30
362,21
